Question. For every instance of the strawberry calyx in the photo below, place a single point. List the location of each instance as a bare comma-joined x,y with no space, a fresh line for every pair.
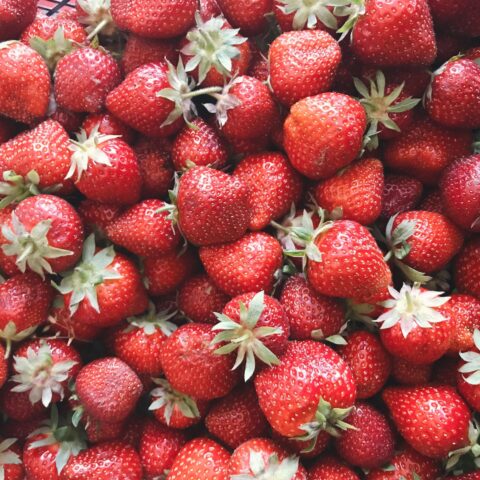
39,375
7,456
472,362
97,18
245,336
326,419
470,454
353,10
10,334
152,321
272,469
378,106
308,13
410,307
165,396
212,46
92,271
225,101
16,188
53,49
31,247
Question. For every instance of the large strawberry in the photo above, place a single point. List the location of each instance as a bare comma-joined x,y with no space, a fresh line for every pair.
468,377
323,134
15,16
11,467
24,83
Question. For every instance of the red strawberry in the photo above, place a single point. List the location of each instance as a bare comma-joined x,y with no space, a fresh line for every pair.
369,361
70,121
236,418
99,432
202,459
302,64
102,165
426,149
104,462
108,125
329,468
159,445
198,298
25,82
311,315
433,202
248,15
17,406
108,389
468,376
96,216
259,66
147,18
400,194
213,207
433,420
189,349
453,98
354,193
303,448
247,265
11,467
208,9
15,16
340,119
262,458
407,373
312,390
466,313
3,366
467,269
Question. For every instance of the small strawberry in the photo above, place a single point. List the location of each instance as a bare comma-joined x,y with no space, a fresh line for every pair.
108,125
11,467
407,373
96,216
400,194
248,15
340,119
467,269
466,313
468,377
329,468
15,16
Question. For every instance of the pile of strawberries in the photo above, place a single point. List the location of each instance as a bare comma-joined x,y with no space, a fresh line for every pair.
239,240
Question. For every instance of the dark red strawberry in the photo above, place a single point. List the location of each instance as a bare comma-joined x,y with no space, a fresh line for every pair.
467,269
17,406
433,202
407,373
15,16
96,216
11,467
400,194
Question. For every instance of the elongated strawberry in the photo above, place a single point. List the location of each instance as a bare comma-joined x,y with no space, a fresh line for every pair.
400,193
467,269
10,462
468,377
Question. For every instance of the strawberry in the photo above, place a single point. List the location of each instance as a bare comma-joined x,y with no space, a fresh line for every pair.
329,468
432,420
190,348
369,361
159,445
17,405
3,366
467,269
108,389
453,98
213,207
208,9
400,194
302,64
108,125
425,150
468,376
11,467
198,298
255,325
106,461
340,119
199,146
460,195
448,46
303,448
247,265
259,66
466,312
467,476
466,22
433,202
96,216
25,82
175,409
22,428
354,193
70,121
104,288
307,404
310,314
261,458
149,19
248,15
15,16
43,234
444,10
202,459
139,51
417,325
102,164
407,373
43,368
99,432
236,418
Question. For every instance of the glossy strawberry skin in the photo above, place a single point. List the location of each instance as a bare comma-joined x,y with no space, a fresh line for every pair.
342,121
96,216
302,64
15,16
40,462
329,468
467,269
466,313
400,194
248,15
407,373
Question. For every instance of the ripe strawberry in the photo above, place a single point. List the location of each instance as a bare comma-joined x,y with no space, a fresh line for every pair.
17,405
159,445
466,313
43,234
303,448
15,16
99,432
406,373
247,265
432,420
208,9
3,366
460,194
417,326
236,418
104,288
329,468
262,458
108,125
139,51
293,15
369,361
102,165
248,15
303,405
189,349
468,376
302,64
310,314
198,298
70,121
24,80
213,207
453,98
444,10
340,119
199,146
149,19
103,462
165,273
96,216
400,194
433,202
448,46
259,66
202,459
11,467
467,269
355,193
108,389
425,150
